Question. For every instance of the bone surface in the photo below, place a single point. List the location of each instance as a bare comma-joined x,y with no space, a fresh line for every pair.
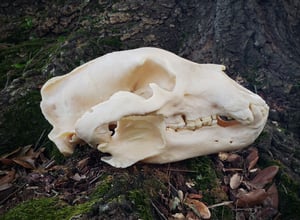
151,105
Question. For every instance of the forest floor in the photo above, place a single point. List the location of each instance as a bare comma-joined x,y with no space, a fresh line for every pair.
223,186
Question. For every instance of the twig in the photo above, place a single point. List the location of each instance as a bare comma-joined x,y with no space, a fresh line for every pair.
231,169
49,164
179,170
96,178
39,140
158,211
12,193
220,204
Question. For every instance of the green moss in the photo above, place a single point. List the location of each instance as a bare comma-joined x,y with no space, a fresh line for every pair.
205,176
45,208
142,203
289,201
27,23
16,59
288,189
53,208
121,190
103,187
112,42
23,121
53,152
264,136
222,212
207,181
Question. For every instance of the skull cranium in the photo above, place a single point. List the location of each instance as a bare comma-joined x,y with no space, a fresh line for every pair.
150,105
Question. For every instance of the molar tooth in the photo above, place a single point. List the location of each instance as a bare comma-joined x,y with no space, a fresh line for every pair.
175,122
172,126
206,121
190,125
171,129
214,122
198,123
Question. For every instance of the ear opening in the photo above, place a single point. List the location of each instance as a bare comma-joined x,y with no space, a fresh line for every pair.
112,127
151,72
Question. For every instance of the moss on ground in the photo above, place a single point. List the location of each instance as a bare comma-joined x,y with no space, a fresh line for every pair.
128,194
207,181
17,59
23,121
54,208
288,189
45,208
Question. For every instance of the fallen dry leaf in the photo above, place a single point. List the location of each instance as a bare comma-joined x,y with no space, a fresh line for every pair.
82,163
191,216
5,186
233,158
180,195
16,151
252,158
174,203
179,216
251,199
6,161
25,162
199,208
272,199
266,213
195,196
264,177
5,181
235,181
223,156
77,177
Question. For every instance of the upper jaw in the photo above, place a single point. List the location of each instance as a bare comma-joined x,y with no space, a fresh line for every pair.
255,116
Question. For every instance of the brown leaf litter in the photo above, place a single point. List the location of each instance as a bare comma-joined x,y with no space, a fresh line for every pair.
27,173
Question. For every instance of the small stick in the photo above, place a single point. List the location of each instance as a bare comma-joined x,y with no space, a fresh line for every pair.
231,169
220,204
181,170
158,211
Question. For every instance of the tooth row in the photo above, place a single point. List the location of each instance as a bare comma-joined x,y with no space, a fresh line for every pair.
176,123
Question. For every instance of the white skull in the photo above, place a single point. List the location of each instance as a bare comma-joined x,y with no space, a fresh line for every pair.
150,105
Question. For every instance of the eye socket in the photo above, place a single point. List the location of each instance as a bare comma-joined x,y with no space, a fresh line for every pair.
225,121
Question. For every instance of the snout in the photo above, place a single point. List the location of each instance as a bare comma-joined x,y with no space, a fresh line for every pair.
260,115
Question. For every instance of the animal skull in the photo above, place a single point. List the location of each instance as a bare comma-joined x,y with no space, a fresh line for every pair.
150,105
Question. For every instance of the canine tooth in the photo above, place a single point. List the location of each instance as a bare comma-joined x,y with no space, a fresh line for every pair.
198,123
191,125
225,123
206,121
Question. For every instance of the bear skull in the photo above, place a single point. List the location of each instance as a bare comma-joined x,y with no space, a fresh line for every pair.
150,105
